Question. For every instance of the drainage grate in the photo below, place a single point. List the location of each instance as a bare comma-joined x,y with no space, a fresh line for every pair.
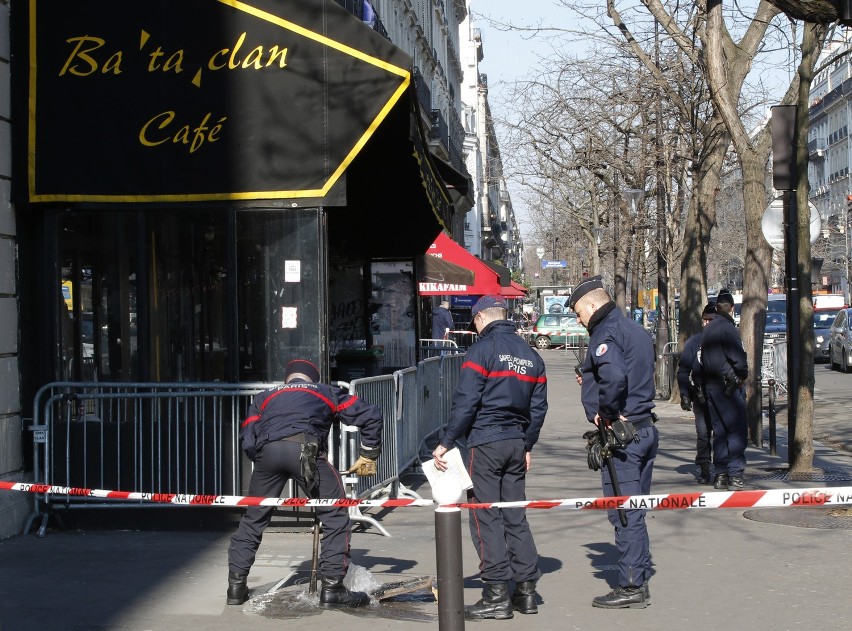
819,474
829,518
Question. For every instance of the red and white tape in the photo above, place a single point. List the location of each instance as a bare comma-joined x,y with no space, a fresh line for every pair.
775,498
207,500
673,501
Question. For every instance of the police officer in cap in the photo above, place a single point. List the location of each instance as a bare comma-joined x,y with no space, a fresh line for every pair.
691,386
285,435
499,406
617,380
724,364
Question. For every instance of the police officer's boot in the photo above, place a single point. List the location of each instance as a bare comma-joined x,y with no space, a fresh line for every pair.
495,603
334,594
523,599
704,476
237,588
721,481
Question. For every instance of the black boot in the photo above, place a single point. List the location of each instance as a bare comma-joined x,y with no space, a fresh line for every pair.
495,603
721,481
523,599
334,594
237,588
623,598
704,476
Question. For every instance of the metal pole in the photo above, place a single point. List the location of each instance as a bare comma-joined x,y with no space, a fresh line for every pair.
793,319
448,551
772,436
662,265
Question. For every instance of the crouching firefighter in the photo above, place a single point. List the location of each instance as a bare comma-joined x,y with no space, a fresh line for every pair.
285,435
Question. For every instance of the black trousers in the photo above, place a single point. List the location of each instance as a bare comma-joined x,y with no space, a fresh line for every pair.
502,536
274,466
730,430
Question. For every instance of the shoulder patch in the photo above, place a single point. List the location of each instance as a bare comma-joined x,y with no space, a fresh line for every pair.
601,350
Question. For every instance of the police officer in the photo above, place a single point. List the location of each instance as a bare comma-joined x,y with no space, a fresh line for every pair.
724,366
690,384
617,379
499,407
285,435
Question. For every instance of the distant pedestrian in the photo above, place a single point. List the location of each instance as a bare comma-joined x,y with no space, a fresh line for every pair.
442,321
691,386
285,435
617,380
724,366
499,407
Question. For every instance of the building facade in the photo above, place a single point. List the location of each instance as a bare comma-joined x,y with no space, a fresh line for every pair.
121,278
830,155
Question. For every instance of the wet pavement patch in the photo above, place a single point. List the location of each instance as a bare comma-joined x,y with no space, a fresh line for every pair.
403,598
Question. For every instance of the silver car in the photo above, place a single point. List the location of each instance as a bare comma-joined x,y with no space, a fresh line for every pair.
840,342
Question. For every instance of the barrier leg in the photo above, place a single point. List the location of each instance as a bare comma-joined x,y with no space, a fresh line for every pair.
450,574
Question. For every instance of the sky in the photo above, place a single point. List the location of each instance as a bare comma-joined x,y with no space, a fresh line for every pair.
511,55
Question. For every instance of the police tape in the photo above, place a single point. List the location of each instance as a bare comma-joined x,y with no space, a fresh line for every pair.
774,498
208,500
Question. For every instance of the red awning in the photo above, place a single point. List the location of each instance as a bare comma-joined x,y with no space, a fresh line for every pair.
432,279
515,291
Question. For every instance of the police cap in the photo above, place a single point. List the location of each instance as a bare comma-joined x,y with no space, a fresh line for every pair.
487,302
595,282
304,367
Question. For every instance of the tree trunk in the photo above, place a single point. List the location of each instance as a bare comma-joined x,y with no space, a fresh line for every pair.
801,448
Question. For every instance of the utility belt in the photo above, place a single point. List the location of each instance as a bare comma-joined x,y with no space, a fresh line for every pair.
642,423
296,438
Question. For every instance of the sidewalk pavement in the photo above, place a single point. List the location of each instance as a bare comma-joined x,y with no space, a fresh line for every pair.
713,568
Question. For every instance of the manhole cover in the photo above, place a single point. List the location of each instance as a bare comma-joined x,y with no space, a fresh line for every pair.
830,518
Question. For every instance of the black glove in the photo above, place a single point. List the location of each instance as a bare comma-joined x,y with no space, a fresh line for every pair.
593,445
732,384
685,404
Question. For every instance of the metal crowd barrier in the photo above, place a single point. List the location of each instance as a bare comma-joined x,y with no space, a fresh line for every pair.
773,365
153,437
431,347
183,438
666,370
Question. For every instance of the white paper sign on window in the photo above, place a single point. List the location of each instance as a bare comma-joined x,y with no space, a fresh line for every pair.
288,317
292,271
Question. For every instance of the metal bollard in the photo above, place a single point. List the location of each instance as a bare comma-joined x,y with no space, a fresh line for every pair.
772,451
450,575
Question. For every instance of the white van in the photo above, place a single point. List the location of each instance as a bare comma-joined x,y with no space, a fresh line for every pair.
829,301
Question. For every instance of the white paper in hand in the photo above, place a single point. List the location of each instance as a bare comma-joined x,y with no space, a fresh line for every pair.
448,486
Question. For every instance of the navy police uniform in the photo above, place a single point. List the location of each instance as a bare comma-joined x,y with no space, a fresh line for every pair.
499,407
618,381
688,380
724,362
278,423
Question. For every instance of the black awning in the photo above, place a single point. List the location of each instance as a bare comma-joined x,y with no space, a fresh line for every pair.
397,203
136,102
504,273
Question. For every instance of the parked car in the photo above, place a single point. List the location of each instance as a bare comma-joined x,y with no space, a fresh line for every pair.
555,329
776,326
840,341
823,319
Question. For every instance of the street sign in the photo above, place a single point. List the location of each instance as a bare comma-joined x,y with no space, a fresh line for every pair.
772,224
545,264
